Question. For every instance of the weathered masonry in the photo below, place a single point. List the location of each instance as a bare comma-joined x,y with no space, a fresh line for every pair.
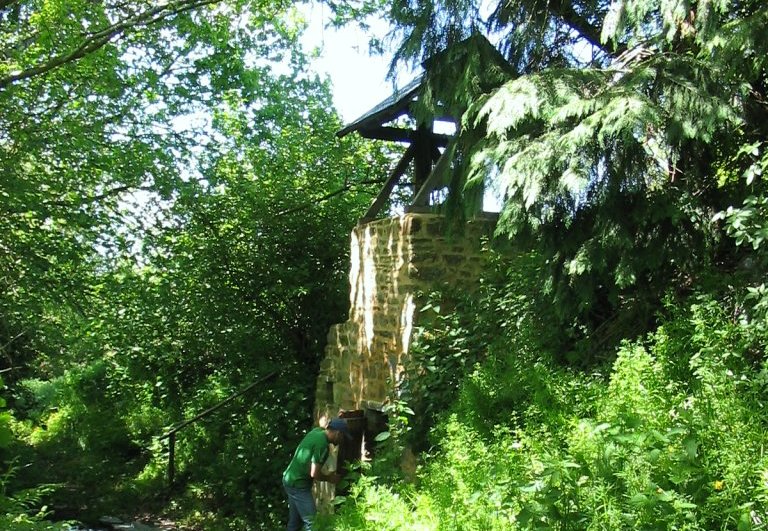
393,261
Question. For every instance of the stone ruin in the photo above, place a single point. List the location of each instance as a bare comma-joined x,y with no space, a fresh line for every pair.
398,259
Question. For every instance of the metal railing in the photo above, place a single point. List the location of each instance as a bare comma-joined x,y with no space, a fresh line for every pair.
171,435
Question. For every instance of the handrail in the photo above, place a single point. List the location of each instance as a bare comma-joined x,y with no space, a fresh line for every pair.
171,435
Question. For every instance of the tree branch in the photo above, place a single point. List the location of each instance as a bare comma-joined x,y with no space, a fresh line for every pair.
98,39
7,3
99,197
14,338
564,11
314,202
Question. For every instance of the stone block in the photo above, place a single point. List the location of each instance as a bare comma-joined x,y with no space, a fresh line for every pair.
435,227
453,260
424,255
431,274
415,225
422,241
386,334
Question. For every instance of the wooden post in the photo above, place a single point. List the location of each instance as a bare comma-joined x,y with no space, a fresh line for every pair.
438,177
171,457
392,180
422,140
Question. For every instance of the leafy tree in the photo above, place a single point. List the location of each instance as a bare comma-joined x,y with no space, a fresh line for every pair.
532,34
174,211
93,112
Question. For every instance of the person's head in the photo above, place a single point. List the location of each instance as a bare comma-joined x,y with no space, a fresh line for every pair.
337,430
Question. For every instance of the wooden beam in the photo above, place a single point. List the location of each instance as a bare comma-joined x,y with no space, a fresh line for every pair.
391,134
392,180
436,154
397,134
391,108
437,177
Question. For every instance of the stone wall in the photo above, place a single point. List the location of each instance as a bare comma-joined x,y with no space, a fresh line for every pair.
393,260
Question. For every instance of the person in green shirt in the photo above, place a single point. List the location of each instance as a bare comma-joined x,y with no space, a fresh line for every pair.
306,467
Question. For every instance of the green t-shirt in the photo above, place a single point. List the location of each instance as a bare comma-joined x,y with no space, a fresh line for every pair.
313,448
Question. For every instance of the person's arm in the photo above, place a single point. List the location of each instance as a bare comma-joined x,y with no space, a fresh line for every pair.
316,471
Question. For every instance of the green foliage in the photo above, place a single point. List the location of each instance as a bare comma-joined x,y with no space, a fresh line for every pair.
621,129
173,205
747,226
592,185
532,34
21,509
381,507
6,435
454,334
24,510
668,435
440,356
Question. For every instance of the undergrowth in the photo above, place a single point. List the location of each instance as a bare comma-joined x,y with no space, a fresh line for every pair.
669,435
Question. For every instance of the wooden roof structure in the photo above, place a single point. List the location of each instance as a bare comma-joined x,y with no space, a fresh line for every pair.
423,144
430,164
390,109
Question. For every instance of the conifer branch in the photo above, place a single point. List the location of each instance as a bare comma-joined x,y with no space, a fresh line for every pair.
564,10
